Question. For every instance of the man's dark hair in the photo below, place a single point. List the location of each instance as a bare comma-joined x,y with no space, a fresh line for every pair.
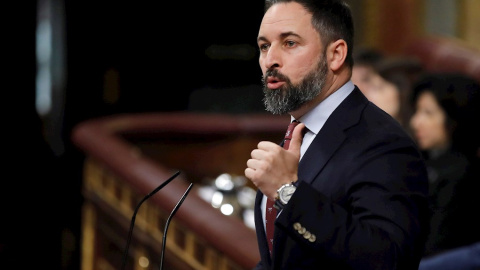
331,18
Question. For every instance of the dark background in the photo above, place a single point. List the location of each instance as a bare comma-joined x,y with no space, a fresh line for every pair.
159,51
168,57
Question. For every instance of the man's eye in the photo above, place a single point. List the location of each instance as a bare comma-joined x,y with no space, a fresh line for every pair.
290,43
264,47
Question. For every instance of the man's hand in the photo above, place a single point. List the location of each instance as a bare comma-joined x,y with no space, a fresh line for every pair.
271,166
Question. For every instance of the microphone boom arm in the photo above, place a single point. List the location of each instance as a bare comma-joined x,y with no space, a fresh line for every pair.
168,223
132,223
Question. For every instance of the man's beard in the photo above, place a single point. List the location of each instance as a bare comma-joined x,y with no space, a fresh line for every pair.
291,97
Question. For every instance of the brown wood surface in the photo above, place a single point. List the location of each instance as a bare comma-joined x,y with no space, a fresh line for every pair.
146,149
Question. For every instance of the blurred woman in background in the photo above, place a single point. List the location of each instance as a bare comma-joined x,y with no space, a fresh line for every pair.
445,125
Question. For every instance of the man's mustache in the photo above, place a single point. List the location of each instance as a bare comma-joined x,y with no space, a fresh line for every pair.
275,73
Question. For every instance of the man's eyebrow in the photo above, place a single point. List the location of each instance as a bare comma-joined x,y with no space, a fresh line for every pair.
287,34
261,38
282,36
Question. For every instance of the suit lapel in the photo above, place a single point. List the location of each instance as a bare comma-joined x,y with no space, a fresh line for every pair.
331,135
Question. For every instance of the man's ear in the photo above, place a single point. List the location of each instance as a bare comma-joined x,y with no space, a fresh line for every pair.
337,53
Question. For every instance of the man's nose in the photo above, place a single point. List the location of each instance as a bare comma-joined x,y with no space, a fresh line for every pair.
273,58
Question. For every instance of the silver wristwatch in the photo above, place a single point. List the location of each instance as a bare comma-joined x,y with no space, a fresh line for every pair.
284,193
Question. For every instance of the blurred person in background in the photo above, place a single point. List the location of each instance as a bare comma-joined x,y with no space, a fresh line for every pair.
462,258
445,126
386,81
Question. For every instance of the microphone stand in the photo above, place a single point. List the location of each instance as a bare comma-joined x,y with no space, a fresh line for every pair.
168,223
135,214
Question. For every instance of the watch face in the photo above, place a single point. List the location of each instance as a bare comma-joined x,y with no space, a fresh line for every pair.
286,193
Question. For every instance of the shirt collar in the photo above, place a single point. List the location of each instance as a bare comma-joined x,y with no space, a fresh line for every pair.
316,117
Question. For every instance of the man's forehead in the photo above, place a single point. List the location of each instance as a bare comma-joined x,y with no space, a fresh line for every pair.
285,12
285,18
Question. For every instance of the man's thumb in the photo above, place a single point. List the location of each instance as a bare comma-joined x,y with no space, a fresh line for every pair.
297,138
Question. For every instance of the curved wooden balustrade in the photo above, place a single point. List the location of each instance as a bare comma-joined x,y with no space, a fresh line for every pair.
128,156
441,54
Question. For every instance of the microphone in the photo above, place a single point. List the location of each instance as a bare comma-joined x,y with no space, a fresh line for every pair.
130,231
168,222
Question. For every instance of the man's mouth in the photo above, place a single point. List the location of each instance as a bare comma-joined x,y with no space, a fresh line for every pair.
274,82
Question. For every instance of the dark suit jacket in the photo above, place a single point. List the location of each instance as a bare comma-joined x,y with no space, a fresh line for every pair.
360,201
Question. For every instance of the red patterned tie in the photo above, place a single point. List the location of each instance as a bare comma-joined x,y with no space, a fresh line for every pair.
271,212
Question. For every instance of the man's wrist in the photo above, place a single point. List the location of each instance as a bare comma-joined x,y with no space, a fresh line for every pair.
284,193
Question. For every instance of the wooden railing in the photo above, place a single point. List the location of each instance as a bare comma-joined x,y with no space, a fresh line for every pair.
441,54
128,156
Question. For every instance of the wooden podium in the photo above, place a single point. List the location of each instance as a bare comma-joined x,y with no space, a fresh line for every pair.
128,156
